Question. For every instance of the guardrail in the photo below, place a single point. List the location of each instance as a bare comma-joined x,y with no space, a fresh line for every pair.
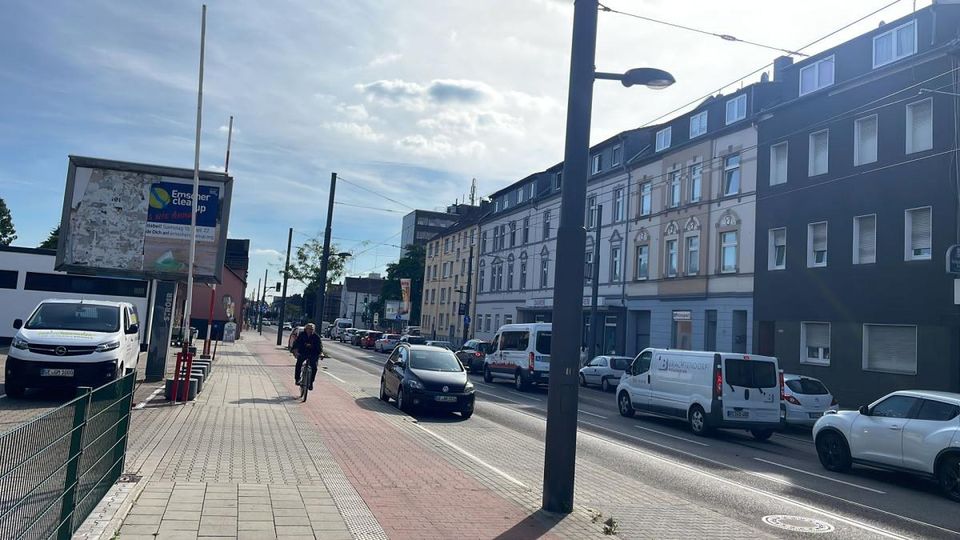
56,468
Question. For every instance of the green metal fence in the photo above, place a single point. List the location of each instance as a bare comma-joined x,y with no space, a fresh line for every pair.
56,468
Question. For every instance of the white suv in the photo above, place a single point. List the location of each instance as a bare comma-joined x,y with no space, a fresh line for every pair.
912,430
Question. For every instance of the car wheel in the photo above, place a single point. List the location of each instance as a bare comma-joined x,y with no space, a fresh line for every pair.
948,476
833,452
698,420
14,390
383,392
761,434
487,376
466,414
583,381
519,383
402,403
605,384
624,404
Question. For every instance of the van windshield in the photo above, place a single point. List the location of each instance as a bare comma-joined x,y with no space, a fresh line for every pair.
751,373
543,342
344,324
75,317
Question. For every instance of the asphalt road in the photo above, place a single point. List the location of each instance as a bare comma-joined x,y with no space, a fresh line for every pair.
728,472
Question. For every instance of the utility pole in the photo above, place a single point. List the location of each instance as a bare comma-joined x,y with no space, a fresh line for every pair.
283,299
466,308
594,286
256,298
263,302
322,286
213,289
560,454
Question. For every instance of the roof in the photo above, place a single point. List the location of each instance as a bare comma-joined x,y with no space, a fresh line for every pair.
949,396
30,250
85,302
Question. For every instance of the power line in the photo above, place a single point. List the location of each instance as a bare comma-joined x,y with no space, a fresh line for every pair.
725,37
368,207
378,194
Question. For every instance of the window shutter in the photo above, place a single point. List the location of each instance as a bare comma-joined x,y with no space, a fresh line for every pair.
920,229
867,241
817,334
891,348
820,237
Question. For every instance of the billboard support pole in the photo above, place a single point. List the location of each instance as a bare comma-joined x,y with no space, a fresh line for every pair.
196,190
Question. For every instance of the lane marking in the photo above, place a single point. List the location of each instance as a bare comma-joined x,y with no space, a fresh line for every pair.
593,414
497,396
335,377
143,403
820,476
471,456
518,394
672,436
798,439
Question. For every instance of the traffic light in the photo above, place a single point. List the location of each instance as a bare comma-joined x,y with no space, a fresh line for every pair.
278,287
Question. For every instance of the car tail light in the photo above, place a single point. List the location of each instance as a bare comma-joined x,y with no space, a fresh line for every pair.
782,395
833,402
717,381
530,362
478,354
791,399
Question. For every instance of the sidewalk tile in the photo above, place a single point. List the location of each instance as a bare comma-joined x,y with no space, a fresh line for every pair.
256,526
217,520
181,515
292,520
219,530
166,525
138,529
256,535
286,512
143,519
244,508
177,535
294,530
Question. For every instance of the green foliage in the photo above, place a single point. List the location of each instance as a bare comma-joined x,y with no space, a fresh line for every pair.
52,239
410,266
7,231
305,266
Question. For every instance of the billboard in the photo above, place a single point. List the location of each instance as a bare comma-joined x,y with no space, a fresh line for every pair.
133,220
405,298
391,311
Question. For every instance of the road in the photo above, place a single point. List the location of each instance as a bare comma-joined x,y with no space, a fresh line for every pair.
642,462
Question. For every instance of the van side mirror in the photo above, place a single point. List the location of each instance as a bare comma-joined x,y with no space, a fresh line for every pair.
864,410
17,324
134,328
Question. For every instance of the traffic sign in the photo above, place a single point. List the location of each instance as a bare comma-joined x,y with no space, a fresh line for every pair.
466,320
953,259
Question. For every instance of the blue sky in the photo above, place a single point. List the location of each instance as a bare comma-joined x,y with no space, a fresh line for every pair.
410,99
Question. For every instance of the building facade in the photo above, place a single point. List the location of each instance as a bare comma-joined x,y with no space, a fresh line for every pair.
858,192
356,296
450,282
420,226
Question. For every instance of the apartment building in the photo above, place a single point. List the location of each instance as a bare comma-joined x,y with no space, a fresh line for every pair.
449,282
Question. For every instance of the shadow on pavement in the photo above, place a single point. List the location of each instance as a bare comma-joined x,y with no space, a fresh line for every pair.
278,399
422,416
535,525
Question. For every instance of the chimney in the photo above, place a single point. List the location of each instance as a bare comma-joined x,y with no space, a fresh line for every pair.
779,64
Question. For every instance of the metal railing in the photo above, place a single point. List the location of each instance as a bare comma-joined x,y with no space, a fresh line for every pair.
56,468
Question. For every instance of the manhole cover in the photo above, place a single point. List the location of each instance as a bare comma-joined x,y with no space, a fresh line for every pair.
129,478
798,524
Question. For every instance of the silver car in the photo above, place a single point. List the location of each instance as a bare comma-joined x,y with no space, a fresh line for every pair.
805,399
604,371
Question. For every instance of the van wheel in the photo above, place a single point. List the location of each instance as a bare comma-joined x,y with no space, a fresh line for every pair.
519,383
624,404
698,420
948,476
605,384
14,390
583,381
833,452
487,376
761,434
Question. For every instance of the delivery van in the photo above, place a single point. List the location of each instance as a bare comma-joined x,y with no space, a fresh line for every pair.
339,326
71,343
520,352
706,389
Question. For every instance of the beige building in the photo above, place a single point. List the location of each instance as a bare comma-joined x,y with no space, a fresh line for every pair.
450,282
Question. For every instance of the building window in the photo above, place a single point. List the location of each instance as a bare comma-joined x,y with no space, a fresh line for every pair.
519,195
865,140
920,126
597,163
693,255
513,233
591,211
588,264
778,164
496,321
486,322
675,189
557,180
618,204
506,201
544,273
532,191
671,249
483,242
510,277
817,244
643,262
526,229
865,239
616,155
616,263
736,109
815,343
777,249
728,252
646,199
496,205
917,234
891,348
698,124
523,275
663,139
546,224
696,182
443,296
731,175
816,76
895,44
819,152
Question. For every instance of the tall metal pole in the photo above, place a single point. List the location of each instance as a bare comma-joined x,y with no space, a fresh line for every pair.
559,466
322,286
196,188
283,299
256,302
263,302
594,288
466,308
213,290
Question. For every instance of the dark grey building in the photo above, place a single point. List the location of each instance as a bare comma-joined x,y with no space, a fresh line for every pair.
856,207
422,225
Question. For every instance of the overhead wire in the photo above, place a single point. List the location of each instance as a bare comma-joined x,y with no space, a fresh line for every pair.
378,194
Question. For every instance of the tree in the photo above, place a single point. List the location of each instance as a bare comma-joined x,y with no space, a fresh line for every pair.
409,266
52,239
305,266
7,231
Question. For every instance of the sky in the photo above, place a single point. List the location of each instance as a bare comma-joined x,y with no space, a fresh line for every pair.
407,101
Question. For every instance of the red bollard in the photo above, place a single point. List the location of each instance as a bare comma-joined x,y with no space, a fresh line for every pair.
176,378
186,377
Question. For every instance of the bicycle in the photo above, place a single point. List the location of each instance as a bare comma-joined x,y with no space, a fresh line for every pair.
305,375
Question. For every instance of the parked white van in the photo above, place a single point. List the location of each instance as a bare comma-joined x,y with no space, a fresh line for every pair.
70,343
707,389
520,352
339,325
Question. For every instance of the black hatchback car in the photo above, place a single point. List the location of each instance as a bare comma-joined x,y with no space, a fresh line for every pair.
424,377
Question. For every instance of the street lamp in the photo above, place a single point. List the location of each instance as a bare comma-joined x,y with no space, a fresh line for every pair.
561,438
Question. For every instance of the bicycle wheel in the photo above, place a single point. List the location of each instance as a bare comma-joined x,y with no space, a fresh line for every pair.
305,382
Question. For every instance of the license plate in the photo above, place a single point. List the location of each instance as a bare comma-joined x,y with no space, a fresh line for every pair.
56,372
447,399
816,414
738,414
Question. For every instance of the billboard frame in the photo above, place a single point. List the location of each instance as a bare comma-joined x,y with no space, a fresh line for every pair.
225,181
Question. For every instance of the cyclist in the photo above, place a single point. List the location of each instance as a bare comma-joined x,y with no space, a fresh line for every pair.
307,347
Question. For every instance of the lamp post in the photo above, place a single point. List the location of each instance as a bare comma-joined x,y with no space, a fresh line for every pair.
559,467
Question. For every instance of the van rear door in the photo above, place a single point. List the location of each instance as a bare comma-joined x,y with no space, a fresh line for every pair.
751,391
541,351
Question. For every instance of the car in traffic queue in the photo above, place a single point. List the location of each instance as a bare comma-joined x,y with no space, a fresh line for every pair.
604,371
805,399
438,343
369,338
346,336
386,343
292,338
412,339
287,327
520,352
425,377
357,337
472,354
914,431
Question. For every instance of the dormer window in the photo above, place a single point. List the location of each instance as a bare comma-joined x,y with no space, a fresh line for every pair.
816,76
895,44
663,139
698,124
736,109
597,163
616,155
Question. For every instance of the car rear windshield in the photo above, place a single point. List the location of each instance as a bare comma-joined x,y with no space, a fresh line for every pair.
751,373
391,336
75,317
543,342
484,347
434,360
416,340
807,386
345,324
620,363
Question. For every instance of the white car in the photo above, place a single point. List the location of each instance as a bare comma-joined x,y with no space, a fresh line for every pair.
912,430
805,399
604,371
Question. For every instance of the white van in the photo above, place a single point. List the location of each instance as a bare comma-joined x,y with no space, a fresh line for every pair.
520,352
73,343
707,389
339,325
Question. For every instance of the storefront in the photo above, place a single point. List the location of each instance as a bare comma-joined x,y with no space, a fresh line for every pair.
715,324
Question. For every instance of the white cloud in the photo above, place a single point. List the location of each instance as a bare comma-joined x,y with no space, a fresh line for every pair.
353,112
383,59
265,252
440,146
216,168
362,132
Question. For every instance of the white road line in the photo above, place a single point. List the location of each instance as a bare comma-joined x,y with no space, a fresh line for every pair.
471,456
672,436
821,476
498,396
593,414
798,439
149,398
335,377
